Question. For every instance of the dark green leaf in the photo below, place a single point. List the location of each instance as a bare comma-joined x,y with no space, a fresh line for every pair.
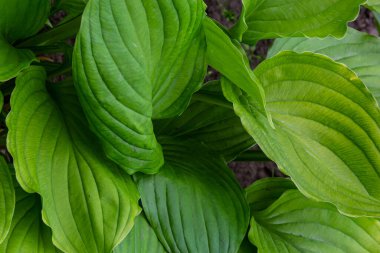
327,135
19,19
210,120
7,199
264,192
194,203
142,239
359,51
134,61
296,224
89,203
28,233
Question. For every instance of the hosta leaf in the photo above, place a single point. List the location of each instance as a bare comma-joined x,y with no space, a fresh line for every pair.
373,4
88,201
142,239
13,61
266,19
296,224
28,233
227,57
327,135
209,119
19,19
359,51
7,199
264,192
134,61
194,203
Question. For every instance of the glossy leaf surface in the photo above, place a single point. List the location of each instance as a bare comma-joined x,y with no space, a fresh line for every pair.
327,135
89,203
296,224
267,19
7,199
359,51
194,203
134,61
142,239
209,119
28,233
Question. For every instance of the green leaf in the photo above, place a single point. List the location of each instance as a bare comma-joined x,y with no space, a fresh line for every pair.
194,203
19,20
148,59
374,5
327,135
7,199
28,233
296,224
89,202
210,120
359,51
142,239
264,192
13,61
267,19
226,56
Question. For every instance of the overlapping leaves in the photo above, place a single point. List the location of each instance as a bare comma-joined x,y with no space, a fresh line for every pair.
89,203
359,51
293,223
19,20
7,199
134,61
194,204
327,135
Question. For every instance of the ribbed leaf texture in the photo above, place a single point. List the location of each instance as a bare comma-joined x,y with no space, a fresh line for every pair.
327,134
89,202
28,233
134,61
194,204
268,19
359,51
7,199
295,224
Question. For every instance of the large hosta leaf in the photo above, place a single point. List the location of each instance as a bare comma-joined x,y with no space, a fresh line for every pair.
88,201
295,224
18,20
209,119
28,233
227,57
7,199
359,51
266,19
134,61
194,203
327,135
142,239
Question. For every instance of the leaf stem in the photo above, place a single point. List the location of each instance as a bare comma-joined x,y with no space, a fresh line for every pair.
59,33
